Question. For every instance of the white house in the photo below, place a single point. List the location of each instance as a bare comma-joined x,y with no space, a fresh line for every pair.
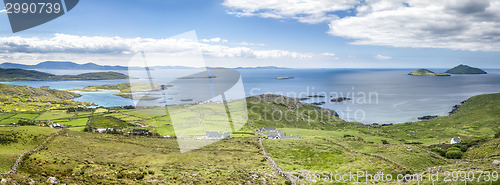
455,140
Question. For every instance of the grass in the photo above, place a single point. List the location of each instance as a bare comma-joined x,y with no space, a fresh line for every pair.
327,144
76,122
6,115
55,115
477,118
316,154
14,98
14,118
106,122
72,159
23,139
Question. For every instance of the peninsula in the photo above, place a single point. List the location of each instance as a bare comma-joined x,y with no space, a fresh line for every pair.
32,75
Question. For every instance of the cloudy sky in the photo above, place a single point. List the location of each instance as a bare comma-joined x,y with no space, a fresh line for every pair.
285,33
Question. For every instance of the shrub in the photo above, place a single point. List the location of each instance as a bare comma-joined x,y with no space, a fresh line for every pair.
461,147
385,142
347,135
439,151
497,135
453,153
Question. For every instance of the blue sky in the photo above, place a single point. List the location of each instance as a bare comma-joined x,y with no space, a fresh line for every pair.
286,33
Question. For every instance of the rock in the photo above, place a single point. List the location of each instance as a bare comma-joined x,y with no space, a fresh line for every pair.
3,181
52,180
428,117
32,181
340,99
495,163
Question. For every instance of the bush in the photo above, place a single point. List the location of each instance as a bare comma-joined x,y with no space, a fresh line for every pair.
497,135
461,147
347,135
453,153
439,151
385,142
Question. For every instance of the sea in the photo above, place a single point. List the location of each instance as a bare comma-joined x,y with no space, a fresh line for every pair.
380,96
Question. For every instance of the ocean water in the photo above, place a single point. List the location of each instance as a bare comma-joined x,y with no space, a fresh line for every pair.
378,95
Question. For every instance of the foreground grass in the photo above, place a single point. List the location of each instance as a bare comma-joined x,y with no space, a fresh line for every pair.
16,140
80,157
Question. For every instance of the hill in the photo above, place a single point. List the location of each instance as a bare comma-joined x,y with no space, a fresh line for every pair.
465,69
327,143
32,75
422,72
61,65
14,98
478,117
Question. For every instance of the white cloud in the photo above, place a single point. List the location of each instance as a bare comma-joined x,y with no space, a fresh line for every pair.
328,54
452,24
382,57
249,44
307,11
214,40
84,45
3,11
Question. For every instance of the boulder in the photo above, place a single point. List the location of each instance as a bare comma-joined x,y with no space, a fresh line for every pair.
495,163
52,180
3,181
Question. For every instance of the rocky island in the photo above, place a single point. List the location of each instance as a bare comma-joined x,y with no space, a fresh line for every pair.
340,99
465,69
284,77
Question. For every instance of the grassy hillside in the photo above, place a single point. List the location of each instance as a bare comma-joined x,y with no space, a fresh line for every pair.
327,143
14,98
32,75
280,111
78,157
478,117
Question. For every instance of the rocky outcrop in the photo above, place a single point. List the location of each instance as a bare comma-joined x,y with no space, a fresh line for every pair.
340,99
428,117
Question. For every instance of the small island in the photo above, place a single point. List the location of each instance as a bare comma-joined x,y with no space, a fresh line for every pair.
284,77
465,69
340,99
426,72
422,72
193,77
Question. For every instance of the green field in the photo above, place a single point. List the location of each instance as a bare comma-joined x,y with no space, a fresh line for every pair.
106,122
55,115
14,118
76,122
